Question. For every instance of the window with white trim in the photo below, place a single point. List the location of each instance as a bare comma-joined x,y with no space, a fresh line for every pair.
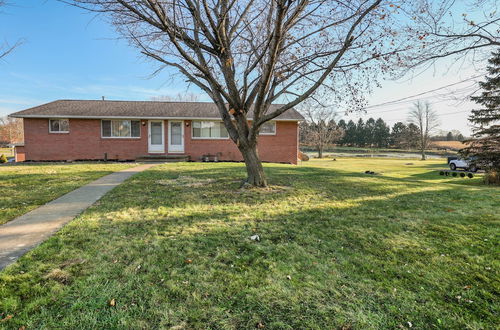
121,128
268,128
209,130
59,125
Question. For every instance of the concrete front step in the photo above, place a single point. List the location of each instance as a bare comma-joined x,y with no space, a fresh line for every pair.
163,158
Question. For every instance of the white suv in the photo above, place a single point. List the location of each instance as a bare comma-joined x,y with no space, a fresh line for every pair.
462,163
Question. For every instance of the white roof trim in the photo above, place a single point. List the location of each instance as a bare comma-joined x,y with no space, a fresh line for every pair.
130,117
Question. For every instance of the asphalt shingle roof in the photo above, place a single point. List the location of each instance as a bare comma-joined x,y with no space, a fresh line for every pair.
133,109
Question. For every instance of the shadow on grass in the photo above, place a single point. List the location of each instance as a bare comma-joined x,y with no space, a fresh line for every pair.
335,250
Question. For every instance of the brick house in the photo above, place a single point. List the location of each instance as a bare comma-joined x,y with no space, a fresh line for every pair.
132,130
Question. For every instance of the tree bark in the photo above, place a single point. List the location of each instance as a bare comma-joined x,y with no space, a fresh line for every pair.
423,146
255,171
320,152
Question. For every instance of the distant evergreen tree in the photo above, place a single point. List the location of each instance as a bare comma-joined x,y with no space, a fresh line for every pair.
350,133
450,137
485,145
360,133
412,135
381,133
343,126
369,135
398,134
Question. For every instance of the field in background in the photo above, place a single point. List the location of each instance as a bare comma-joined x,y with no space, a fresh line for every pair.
26,186
336,248
453,145
358,150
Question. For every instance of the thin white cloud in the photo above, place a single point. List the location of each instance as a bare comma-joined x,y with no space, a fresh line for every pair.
18,101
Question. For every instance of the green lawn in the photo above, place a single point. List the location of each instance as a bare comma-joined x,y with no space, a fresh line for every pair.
27,186
339,248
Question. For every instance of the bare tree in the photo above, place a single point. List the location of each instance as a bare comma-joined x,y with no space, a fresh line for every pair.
426,119
249,54
467,29
180,97
320,129
11,130
6,48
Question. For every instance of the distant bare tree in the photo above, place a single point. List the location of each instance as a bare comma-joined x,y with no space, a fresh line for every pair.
6,48
320,129
426,119
180,97
11,130
249,54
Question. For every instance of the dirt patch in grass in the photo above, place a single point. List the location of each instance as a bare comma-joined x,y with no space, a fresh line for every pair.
59,275
185,181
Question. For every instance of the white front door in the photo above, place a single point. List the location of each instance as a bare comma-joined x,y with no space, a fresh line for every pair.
156,137
176,136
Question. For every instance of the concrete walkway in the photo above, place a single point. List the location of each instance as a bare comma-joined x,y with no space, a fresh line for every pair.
27,231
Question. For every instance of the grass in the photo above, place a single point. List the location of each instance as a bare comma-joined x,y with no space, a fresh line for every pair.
338,248
27,186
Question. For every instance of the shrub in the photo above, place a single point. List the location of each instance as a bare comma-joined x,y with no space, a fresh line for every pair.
3,159
454,174
462,175
492,177
303,156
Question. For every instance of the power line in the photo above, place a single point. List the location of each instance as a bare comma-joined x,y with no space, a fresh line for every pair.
439,114
406,107
423,93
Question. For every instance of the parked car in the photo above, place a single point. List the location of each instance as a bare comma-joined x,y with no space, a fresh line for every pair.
465,164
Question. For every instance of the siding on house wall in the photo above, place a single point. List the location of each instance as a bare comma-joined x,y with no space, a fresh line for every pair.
84,142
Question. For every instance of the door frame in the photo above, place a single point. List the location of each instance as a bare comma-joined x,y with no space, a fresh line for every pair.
172,149
156,149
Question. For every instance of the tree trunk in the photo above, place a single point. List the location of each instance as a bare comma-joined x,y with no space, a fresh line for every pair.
255,171
320,152
423,144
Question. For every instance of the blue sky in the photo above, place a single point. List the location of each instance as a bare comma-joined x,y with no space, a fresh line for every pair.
67,53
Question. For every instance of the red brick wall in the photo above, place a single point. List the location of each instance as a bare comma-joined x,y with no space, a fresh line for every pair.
279,148
19,155
84,142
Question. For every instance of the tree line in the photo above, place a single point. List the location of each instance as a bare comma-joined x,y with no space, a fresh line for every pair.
372,133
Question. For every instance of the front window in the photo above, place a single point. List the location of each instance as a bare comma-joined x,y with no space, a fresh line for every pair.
209,130
59,125
121,128
268,128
